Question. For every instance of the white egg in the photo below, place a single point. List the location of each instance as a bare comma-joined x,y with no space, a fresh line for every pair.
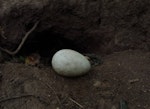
70,63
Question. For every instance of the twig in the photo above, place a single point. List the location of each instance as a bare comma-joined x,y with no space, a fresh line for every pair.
15,97
133,80
22,42
23,96
49,86
2,33
76,103
54,93
3,36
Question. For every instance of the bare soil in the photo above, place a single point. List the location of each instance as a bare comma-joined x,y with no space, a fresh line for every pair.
123,78
102,27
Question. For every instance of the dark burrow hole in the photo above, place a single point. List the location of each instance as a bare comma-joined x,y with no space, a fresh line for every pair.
46,44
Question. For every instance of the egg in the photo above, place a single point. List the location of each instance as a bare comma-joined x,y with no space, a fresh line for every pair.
70,63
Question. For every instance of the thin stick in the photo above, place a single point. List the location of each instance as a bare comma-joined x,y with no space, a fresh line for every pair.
53,90
76,103
3,36
54,93
2,33
15,97
22,42
22,96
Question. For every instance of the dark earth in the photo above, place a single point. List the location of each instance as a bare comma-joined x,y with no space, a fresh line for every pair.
123,76
117,31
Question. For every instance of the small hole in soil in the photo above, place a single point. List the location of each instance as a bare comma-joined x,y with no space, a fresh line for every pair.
46,43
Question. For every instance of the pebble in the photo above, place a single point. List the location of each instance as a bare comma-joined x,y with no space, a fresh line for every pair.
97,84
113,107
70,63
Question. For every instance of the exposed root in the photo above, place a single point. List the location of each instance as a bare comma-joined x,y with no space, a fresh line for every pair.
22,42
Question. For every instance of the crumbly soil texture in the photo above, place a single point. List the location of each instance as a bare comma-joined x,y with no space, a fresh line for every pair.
114,31
121,82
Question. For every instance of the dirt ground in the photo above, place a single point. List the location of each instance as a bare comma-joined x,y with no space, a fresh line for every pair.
120,82
109,28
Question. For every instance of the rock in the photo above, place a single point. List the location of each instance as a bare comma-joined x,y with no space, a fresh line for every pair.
113,107
70,63
97,84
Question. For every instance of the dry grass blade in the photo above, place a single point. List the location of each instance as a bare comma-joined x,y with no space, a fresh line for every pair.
76,103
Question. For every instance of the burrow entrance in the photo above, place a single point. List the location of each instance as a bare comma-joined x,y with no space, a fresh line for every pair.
46,43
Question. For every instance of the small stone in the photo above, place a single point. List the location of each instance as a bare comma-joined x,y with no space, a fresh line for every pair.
97,84
70,63
113,107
